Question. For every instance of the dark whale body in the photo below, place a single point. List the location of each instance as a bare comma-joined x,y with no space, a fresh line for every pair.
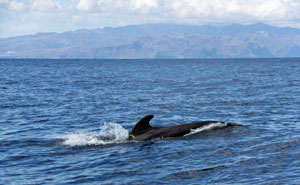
144,131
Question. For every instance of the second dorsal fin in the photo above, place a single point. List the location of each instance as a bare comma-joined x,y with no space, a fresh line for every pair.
142,126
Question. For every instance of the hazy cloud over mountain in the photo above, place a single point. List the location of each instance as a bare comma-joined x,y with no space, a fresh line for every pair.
19,17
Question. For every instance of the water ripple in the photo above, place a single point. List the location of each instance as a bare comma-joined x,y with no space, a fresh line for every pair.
53,115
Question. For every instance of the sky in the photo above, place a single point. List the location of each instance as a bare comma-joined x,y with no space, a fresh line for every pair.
22,17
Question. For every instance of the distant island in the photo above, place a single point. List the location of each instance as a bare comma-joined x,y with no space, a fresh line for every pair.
158,41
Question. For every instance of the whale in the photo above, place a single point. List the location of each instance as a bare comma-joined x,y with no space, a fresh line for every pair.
143,131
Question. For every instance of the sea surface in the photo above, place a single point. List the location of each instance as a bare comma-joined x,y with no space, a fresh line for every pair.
67,121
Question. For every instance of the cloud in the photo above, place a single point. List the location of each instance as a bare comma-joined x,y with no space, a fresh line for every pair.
45,6
6,5
202,11
143,6
232,10
18,6
2,2
75,14
85,5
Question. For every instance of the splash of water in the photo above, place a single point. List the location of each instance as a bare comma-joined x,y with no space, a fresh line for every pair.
110,133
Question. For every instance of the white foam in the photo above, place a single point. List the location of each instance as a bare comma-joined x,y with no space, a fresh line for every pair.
110,133
207,127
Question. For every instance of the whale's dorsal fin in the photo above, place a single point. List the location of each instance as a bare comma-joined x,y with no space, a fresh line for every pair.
142,126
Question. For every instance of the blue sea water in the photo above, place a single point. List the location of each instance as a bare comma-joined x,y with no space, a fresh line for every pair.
66,121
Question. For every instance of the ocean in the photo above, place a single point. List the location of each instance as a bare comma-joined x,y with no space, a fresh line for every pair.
67,121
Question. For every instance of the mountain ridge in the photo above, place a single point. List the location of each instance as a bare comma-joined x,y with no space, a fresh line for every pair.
158,41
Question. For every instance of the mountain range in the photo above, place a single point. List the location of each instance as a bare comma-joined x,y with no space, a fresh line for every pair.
158,41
